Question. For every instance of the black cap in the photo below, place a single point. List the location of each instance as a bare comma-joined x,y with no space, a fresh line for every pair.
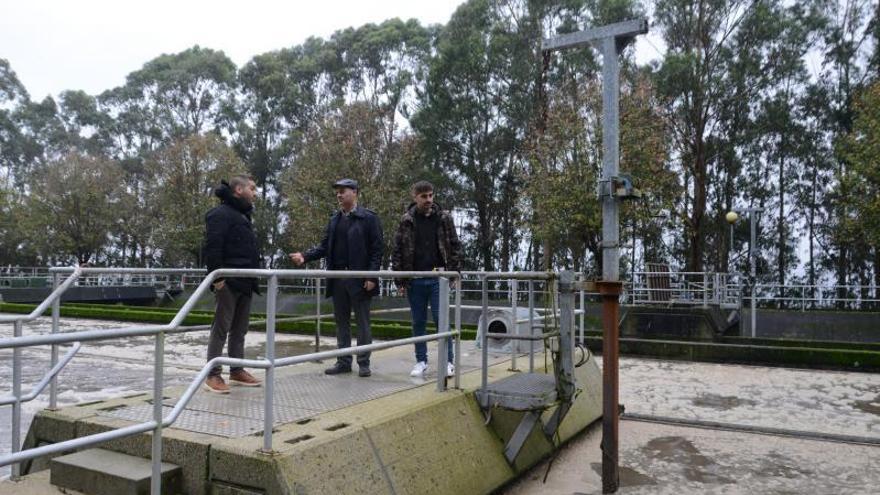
349,183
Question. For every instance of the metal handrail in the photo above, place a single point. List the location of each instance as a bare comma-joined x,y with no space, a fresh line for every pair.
191,390
43,306
19,341
41,385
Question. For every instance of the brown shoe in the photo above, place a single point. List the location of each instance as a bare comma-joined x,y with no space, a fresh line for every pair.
243,378
216,384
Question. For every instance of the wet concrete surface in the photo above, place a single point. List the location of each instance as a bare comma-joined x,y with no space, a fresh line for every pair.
663,459
821,401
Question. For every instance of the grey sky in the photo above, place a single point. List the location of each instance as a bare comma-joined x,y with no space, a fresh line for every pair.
93,44
54,45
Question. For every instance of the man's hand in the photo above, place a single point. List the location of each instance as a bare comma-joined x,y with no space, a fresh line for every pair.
401,289
219,285
457,284
297,258
369,285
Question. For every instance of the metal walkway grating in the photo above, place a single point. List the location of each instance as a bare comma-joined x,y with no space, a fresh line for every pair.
240,413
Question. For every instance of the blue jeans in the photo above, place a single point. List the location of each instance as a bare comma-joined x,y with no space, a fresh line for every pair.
421,291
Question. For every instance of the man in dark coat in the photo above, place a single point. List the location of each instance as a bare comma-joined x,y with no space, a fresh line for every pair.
426,240
230,242
352,241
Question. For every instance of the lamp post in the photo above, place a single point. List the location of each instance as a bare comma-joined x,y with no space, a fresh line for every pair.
732,218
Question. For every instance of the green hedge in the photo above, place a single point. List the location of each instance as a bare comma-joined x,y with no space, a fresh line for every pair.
380,328
807,357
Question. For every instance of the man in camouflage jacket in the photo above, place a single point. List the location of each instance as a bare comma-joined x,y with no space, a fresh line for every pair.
426,240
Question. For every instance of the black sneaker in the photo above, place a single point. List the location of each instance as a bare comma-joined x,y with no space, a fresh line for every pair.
337,369
364,372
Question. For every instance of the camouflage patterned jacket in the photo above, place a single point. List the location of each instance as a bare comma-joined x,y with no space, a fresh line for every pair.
405,241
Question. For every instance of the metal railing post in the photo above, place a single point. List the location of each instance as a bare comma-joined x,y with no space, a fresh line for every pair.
716,290
442,326
514,290
317,314
269,387
158,397
460,284
56,317
531,326
583,316
484,340
16,406
705,290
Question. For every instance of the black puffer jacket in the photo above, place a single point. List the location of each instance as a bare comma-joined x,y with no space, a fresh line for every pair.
230,241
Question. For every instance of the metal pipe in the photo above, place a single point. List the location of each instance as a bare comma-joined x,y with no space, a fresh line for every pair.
16,406
76,443
442,326
39,387
458,335
357,349
610,383
759,430
318,314
484,340
514,289
158,398
532,338
269,387
507,275
43,306
193,388
583,315
531,326
56,318
112,270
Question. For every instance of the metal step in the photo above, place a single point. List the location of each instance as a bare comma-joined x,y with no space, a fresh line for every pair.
102,472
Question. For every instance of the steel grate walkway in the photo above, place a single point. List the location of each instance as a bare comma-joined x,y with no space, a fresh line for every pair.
297,396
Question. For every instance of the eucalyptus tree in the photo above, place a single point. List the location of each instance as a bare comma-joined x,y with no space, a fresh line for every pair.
12,96
171,96
845,45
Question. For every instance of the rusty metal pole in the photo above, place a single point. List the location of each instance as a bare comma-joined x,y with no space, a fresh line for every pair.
610,40
610,292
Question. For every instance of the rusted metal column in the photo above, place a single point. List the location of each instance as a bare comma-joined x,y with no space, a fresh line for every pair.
610,292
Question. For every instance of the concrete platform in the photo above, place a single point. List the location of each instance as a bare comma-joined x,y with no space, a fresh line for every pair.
388,433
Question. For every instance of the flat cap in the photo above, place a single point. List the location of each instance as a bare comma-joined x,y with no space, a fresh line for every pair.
349,183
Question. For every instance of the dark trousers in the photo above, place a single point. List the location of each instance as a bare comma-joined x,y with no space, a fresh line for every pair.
230,319
348,296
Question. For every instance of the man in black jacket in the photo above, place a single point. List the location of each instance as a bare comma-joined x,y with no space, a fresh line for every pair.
352,241
230,242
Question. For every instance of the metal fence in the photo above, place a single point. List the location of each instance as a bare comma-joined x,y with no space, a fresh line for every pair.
683,288
269,363
733,290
